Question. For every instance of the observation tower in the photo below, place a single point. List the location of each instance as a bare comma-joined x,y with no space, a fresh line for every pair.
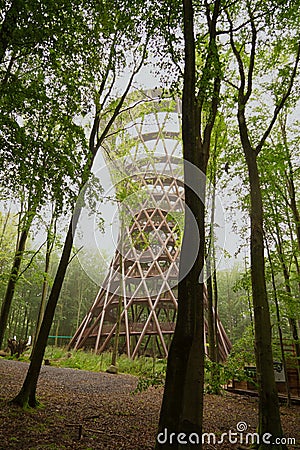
138,298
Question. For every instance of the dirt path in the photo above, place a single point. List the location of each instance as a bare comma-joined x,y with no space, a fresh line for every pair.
71,397
111,416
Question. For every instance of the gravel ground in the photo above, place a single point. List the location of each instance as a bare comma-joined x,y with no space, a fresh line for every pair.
76,381
111,417
103,404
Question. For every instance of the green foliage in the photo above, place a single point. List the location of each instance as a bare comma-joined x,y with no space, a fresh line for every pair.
234,288
242,352
76,293
218,375
150,371
214,377
142,366
178,219
75,360
58,71
155,380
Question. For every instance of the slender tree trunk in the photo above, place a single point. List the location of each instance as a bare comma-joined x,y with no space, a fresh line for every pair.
211,299
213,265
290,182
80,301
279,328
216,305
210,269
44,288
229,306
182,407
117,334
249,301
22,334
27,395
16,322
6,220
269,415
210,313
11,322
119,311
57,326
9,294
288,289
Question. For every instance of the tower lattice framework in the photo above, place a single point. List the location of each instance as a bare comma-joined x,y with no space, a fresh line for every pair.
138,298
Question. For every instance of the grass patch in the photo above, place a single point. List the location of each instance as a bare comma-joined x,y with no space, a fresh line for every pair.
88,360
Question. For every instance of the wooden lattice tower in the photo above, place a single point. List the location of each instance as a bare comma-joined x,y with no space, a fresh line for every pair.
141,286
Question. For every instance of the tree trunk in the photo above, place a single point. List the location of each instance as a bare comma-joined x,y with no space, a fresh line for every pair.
59,313
294,208
288,289
7,301
292,321
44,290
27,394
216,305
290,182
182,406
269,415
289,402
210,268
6,220
119,309
210,314
212,298
249,300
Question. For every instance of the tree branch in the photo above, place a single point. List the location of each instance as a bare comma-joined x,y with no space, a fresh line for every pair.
75,254
281,103
99,107
237,55
31,259
252,58
231,84
122,99
172,50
